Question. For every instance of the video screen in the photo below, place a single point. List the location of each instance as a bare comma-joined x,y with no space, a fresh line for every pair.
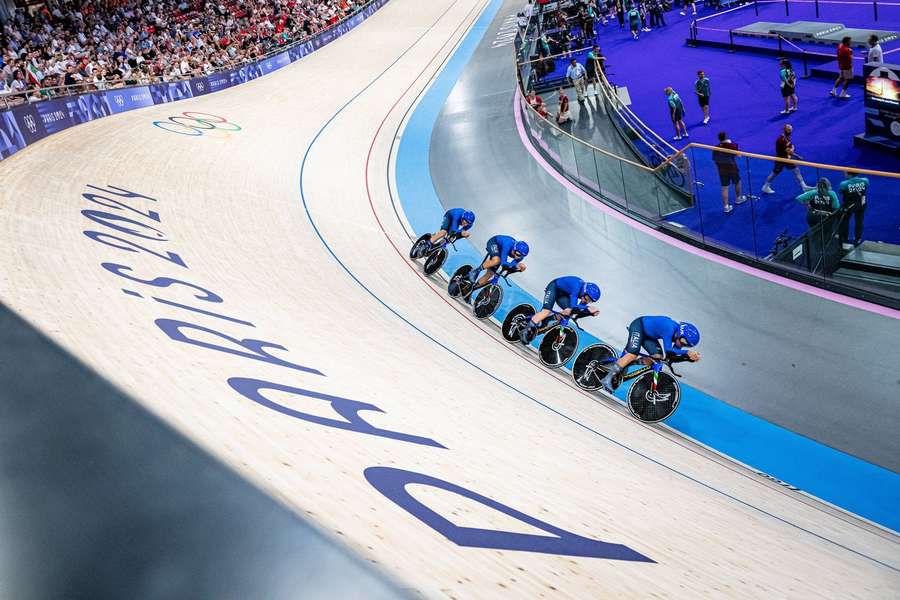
882,88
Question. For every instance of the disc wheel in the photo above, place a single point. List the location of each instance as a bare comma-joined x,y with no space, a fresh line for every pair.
458,283
558,346
592,365
514,321
420,246
487,301
653,407
435,261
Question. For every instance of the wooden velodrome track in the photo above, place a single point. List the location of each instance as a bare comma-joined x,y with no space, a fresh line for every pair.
307,266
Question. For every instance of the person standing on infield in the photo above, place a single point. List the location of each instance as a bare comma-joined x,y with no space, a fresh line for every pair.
853,190
875,55
726,165
676,111
701,88
788,86
845,65
784,148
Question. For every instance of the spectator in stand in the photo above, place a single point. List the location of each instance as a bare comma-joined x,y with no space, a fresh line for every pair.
108,43
577,75
853,193
676,112
875,54
784,148
845,66
701,88
726,165
821,202
788,86
562,111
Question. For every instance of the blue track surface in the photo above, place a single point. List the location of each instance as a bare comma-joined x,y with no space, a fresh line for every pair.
836,477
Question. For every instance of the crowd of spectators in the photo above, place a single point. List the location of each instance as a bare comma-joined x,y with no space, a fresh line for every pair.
97,44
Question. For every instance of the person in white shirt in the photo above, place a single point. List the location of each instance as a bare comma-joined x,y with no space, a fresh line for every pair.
875,53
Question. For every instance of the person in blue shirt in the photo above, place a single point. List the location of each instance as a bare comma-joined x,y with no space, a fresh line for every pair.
853,192
572,295
502,251
457,223
647,332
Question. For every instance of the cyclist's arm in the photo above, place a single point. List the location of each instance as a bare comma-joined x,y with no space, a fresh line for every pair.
669,348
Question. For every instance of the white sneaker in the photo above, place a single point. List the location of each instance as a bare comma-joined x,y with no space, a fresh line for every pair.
705,120
785,111
740,199
728,209
686,134
677,138
792,109
646,29
767,189
682,13
832,93
844,95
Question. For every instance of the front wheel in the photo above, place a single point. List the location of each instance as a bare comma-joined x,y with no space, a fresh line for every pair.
515,320
420,247
591,366
435,261
558,346
459,284
487,301
654,406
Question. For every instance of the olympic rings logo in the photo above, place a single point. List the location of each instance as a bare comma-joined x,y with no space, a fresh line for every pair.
196,124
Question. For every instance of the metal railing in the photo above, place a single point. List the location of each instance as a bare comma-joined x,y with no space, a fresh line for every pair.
797,245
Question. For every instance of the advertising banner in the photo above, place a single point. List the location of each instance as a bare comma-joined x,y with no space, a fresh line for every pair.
128,99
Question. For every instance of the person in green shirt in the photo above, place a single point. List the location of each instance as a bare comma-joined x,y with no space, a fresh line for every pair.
701,88
820,202
853,192
676,112
634,21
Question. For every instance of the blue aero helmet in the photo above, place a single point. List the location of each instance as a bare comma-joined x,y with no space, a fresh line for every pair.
469,217
591,290
521,248
689,332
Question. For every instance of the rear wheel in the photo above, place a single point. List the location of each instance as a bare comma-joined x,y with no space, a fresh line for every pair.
650,406
459,285
514,321
558,346
435,261
487,301
591,366
420,247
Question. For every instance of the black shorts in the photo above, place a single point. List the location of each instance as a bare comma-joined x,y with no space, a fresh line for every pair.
729,178
677,116
703,100
787,91
780,166
637,340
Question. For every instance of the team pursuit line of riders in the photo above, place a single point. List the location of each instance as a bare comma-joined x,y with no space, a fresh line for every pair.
653,342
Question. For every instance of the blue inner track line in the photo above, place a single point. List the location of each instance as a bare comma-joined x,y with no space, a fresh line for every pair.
463,54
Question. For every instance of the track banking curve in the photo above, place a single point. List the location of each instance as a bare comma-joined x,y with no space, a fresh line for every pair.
786,353
394,401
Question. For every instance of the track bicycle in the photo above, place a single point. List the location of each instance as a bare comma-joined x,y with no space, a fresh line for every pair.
653,397
435,255
489,296
560,339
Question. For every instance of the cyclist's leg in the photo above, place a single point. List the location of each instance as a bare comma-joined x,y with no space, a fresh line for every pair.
549,301
629,355
445,226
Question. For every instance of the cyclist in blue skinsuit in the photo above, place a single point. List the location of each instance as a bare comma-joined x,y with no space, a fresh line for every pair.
502,251
571,294
457,222
647,332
